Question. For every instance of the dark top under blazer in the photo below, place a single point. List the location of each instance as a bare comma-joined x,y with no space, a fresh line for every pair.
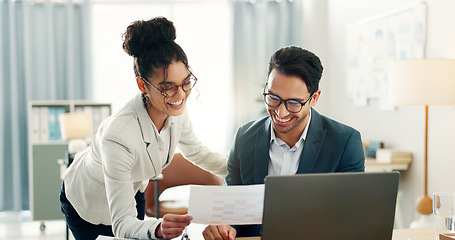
329,147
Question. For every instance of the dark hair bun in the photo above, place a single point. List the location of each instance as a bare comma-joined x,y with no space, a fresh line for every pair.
142,35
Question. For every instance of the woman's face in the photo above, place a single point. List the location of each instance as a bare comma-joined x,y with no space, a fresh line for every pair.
161,93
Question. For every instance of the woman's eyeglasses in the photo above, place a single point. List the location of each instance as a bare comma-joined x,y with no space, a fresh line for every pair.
169,90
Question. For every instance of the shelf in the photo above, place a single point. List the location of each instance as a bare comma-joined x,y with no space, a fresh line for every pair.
371,165
46,146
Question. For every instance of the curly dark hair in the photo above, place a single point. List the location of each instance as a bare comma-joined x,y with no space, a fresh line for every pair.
152,44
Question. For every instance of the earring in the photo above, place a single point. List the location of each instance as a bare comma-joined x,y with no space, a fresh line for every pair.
146,101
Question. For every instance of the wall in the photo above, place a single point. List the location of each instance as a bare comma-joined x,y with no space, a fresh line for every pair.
315,39
403,128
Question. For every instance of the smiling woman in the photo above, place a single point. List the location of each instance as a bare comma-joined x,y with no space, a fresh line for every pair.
103,188
208,49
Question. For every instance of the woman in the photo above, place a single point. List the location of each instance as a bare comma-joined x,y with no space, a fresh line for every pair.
102,190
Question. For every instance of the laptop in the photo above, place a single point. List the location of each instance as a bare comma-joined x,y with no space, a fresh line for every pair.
328,206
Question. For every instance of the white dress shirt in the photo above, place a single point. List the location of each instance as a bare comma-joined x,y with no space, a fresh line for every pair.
283,159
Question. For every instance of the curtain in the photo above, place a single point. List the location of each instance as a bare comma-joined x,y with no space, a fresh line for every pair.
44,55
260,28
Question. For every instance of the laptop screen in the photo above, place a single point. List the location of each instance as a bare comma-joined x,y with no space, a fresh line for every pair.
354,206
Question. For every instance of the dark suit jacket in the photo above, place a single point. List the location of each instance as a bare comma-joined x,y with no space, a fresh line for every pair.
329,147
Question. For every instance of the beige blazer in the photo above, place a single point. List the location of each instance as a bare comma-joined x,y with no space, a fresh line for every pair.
103,179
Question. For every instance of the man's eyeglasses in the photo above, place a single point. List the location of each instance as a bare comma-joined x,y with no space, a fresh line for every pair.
169,89
292,105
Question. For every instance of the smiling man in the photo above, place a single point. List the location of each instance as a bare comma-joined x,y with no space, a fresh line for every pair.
294,138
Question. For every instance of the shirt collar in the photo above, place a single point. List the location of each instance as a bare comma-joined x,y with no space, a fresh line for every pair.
168,123
274,139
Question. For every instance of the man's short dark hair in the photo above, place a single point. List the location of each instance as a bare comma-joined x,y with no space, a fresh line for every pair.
296,61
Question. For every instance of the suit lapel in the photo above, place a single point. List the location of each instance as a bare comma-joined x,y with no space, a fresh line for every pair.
313,143
145,123
173,142
261,158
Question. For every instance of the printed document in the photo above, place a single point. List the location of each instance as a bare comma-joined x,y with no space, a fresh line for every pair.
220,205
101,237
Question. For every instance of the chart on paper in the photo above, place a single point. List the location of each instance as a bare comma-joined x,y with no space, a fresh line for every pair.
218,205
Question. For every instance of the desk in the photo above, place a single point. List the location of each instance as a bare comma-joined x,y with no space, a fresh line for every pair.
414,234
398,234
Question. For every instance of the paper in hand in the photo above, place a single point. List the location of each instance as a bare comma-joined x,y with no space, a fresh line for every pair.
220,205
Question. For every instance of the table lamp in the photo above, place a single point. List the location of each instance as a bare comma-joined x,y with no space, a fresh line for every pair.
75,127
422,82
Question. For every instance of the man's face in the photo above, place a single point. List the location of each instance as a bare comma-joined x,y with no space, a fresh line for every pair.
289,87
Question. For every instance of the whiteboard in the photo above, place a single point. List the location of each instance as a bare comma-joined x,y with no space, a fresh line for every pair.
373,42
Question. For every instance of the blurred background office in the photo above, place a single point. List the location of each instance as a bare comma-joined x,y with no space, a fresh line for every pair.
72,49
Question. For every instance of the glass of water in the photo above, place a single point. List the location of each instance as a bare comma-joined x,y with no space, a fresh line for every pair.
444,209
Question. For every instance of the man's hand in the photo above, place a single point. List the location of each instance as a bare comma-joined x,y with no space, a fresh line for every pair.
219,232
172,226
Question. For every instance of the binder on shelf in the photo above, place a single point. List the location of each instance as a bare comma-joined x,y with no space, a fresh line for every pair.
56,111
60,111
44,124
52,124
35,130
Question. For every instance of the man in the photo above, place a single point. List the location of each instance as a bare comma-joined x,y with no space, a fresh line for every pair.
294,138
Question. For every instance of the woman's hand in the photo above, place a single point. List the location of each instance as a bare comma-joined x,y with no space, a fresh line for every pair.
172,226
220,232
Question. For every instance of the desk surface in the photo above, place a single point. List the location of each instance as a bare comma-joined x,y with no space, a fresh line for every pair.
414,234
398,234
